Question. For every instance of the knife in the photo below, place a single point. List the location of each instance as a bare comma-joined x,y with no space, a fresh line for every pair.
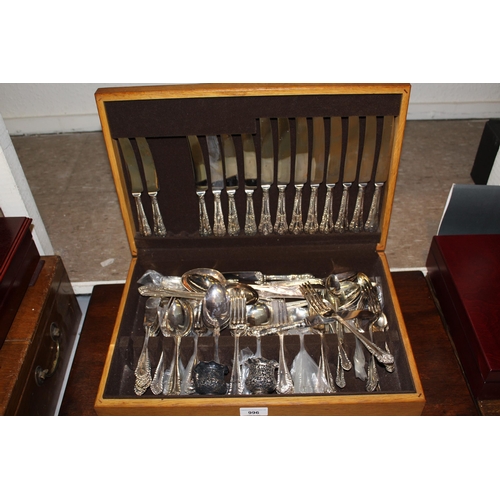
382,174
350,169
217,179
365,172
201,183
266,174
284,173
136,184
332,172
301,169
233,225
151,184
250,167
317,171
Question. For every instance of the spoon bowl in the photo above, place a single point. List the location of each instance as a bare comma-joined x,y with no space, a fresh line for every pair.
201,279
215,311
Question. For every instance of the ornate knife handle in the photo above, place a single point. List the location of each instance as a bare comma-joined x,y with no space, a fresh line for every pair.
326,225
144,228
296,225
311,225
265,226
205,229
356,224
158,225
371,224
219,226
281,226
250,223
233,225
342,223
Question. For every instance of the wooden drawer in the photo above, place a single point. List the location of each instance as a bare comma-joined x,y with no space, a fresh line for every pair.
36,353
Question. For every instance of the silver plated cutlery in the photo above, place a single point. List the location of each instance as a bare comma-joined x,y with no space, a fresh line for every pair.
136,184
201,183
266,174
284,173
300,176
349,176
231,175
250,168
217,180
317,171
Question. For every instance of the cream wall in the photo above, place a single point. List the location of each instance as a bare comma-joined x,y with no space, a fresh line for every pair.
30,108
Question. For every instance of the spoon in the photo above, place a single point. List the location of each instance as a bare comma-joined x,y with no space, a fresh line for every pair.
179,320
200,279
216,311
258,314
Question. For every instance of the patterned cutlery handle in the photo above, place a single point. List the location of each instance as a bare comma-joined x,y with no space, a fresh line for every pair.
281,225
326,225
250,223
233,225
219,226
205,229
372,221
265,226
356,224
296,224
158,225
342,223
144,228
311,225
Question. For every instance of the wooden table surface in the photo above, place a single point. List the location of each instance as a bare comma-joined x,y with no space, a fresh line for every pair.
444,386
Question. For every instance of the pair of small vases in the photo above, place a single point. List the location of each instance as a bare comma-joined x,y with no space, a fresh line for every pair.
261,378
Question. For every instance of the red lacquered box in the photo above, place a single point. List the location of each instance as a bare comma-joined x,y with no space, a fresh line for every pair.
464,271
18,260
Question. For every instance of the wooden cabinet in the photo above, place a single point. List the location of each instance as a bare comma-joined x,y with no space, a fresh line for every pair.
37,350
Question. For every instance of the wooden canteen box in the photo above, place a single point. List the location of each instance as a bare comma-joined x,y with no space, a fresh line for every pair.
165,117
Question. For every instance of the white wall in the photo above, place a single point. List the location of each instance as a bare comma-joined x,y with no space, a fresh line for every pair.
30,108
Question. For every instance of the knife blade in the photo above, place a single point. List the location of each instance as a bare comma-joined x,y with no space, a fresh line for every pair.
332,172
266,173
301,169
231,171
152,184
284,173
217,179
201,183
250,168
382,173
365,171
136,184
317,172
350,170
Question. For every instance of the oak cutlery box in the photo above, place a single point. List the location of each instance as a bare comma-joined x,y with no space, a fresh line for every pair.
165,116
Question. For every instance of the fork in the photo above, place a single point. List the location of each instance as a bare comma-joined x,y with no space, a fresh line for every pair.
285,382
237,326
324,314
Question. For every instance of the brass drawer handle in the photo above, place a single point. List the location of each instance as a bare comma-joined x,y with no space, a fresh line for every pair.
42,374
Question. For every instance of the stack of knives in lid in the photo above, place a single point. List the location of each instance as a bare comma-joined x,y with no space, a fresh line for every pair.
283,151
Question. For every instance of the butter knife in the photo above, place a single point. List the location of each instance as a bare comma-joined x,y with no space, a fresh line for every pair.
332,173
284,173
382,174
350,170
217,179
317,172
152,184
301,169
250,167
266,174
201,183
231,171
136,184
365,172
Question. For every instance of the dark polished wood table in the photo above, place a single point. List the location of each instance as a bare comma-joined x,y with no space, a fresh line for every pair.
444,385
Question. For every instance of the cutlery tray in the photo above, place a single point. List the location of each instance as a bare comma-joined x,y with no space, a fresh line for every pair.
166,116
